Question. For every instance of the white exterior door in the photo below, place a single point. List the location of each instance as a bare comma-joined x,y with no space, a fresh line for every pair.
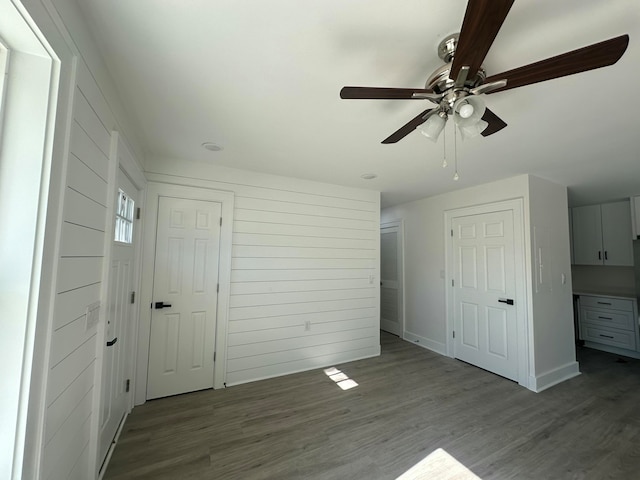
183,320
119,315
484,292
391,280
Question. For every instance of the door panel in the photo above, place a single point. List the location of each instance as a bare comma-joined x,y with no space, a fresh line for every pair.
391,280
119,321
185,281
484,273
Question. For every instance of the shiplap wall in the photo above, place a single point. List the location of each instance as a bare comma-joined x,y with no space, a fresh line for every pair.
62,427
72,360
305,270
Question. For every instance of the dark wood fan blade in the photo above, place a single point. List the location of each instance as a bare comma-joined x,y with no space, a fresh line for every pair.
581,60
481,24
382,93
407,128
495,123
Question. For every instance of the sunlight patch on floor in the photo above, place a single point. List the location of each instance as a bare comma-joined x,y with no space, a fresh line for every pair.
341,378
438,465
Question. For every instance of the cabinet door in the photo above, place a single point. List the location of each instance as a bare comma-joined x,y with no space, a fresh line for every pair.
587,235
616,233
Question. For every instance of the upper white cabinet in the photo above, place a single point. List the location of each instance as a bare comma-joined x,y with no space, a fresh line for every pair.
602,234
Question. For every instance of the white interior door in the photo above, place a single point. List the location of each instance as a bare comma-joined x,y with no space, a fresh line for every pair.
119,315
484,292
391,280
183,320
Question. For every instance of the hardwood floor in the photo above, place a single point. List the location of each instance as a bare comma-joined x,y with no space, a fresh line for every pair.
408,402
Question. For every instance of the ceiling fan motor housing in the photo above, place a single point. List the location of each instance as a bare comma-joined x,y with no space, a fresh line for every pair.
439,81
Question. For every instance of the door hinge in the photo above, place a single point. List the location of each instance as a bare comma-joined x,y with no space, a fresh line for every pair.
127,385
220,221
454,334
452,283
452,232
138,213
133,297
214,356
218,288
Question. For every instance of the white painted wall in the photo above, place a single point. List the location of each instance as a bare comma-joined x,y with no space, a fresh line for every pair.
552,297
550,313
603,279
63,407
424,251
302,252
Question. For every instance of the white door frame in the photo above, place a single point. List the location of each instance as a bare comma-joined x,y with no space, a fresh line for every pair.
120,158
399,223
133,171
154,192
517,207
28,182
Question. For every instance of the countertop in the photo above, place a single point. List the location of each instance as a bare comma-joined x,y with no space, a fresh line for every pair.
625,295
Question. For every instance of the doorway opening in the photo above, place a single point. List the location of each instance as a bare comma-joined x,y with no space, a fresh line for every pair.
486,288
392,278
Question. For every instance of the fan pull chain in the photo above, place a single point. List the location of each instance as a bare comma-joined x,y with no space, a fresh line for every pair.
444,148
456,177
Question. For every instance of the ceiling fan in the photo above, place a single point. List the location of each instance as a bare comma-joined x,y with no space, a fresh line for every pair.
456,87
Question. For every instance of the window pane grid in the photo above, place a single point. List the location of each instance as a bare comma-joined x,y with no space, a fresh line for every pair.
124,218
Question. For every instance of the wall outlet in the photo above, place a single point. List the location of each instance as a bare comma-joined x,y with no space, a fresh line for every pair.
372,278
307,325
92,315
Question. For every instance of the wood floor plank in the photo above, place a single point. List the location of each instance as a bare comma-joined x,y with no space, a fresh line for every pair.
408,403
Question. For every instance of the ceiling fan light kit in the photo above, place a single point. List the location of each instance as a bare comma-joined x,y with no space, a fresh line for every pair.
456,86
433,126
471,131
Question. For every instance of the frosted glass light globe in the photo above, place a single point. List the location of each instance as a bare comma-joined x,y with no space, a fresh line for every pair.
466,110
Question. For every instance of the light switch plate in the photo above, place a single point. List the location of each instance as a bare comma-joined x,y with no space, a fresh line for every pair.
92,315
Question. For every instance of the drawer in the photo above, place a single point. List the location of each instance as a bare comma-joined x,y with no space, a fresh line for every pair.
606,302
615,338
608,318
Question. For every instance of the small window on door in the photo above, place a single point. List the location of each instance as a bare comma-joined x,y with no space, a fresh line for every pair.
124,218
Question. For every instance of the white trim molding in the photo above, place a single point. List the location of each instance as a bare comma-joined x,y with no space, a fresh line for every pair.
226,198
437,347
553,377
517,207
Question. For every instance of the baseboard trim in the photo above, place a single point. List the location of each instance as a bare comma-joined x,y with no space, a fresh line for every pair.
308,364
112,447
554,377
423,342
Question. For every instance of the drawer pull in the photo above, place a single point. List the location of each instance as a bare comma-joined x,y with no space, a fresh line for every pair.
605,318
604,303
606,336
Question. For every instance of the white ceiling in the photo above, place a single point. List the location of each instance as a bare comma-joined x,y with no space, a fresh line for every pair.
262,79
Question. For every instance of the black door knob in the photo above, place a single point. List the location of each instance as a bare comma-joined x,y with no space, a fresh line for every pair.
162,305
508,301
